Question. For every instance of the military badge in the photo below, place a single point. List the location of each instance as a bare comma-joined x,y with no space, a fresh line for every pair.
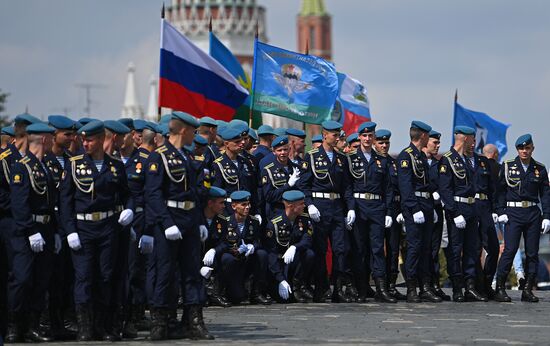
304,165
153,167
404,164
264,179
443,169
17,179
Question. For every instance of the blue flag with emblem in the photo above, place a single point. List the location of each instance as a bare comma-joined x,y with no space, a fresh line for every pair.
293,85
488,130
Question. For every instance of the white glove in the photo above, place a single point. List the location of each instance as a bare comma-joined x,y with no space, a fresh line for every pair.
495,217
294,177
288,257
172,233
388,222
545,226
57,243
203,232
133,235
436,196
418,217
208,258
250,250
350,219
400,219
146,244
74,241
206,272
126,217
37,242
259,218
460,222
314,213
284,289
436,218
503,218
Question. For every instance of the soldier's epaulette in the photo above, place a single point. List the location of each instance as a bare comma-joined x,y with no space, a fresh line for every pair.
305,215
161,149
5,154
219,159
277,219
268,165
115,157
144,155
76,157
199,157
223,217
313,151
448,154
409,150
24,160
510,161
538,163
353,152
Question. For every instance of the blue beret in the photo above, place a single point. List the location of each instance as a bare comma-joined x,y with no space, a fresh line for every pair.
240,196
94,127
230,133
116,127
38,128
216,192
240,125
207,121
382,134
265,130
252,133
77,125
149,125
165,118
317,139
61,122
128,122
280,131
190,148
464,130
354,137
164,129
434,134
293,196
417,124
281,140
222,123
200,140
86,120
8,130
367,126
139,124
296,133
524,140
186,118
27,119
331,125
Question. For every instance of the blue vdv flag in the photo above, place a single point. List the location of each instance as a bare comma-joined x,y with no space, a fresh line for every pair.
488,130
293,85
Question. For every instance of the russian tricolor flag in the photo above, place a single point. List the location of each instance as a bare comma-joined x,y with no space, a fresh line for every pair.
354,102
192,81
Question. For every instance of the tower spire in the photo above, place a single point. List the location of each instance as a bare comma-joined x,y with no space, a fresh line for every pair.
152,106
131,107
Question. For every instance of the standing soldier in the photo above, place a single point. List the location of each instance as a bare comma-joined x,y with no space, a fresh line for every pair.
523,182
328,190
373,198
266,136
297,145
418,211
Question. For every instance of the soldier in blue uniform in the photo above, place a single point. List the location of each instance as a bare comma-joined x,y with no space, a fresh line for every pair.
373,201
329,197
288,241
523,182
353,142
208,129
297,145
94,204
6,137
266,136
418,212
174,190
457,189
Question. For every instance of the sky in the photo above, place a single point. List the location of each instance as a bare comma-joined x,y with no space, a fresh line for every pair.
411,55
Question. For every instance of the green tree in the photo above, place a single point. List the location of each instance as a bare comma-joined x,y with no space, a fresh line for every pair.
4,121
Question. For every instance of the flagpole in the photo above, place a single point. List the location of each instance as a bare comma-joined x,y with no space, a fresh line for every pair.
454,115
159,107
251,110
307,53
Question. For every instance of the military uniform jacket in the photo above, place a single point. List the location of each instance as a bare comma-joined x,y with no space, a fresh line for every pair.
396,203
371,177
517,185
275,182
456,179
413,176
135,174
56,171
321,175
172,177
231,239
84,190
32,193
216,229
484,181
8,156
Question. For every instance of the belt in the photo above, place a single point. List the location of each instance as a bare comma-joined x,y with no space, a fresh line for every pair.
139,209
482,196
326,195
43,219
522,204
397,198
422,194
185,205
367,196
467,200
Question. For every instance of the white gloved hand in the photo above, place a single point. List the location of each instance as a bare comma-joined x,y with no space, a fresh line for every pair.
314,213
436,196
172,233
495,217
388,222
146,244
126,217
74,241
460,222
284,289
250,250
57,243
436,218
203,232
259,218
294,177
208,258
37,242
206,272
503,218
288,257
350,219
545,226
418,217
133,235
400,219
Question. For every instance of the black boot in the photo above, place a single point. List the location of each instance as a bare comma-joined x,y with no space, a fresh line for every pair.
297,291
382,294
197,329
257,294
143,323
176,329
458,295
351,290
500,294
368,289
15,329
527,294
33,333
471,294
392,289
412,296
57,326
84,322
438,291
159,324
427,294
103,324
489,291
129,331
338,295
215,293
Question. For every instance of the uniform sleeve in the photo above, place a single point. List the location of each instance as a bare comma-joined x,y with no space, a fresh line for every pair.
125,196
67,211
545,194
388,188
348,186
500,192
446,187
273,263
20,200
272,194
216,176
406,184
305,181
156,211
306,240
